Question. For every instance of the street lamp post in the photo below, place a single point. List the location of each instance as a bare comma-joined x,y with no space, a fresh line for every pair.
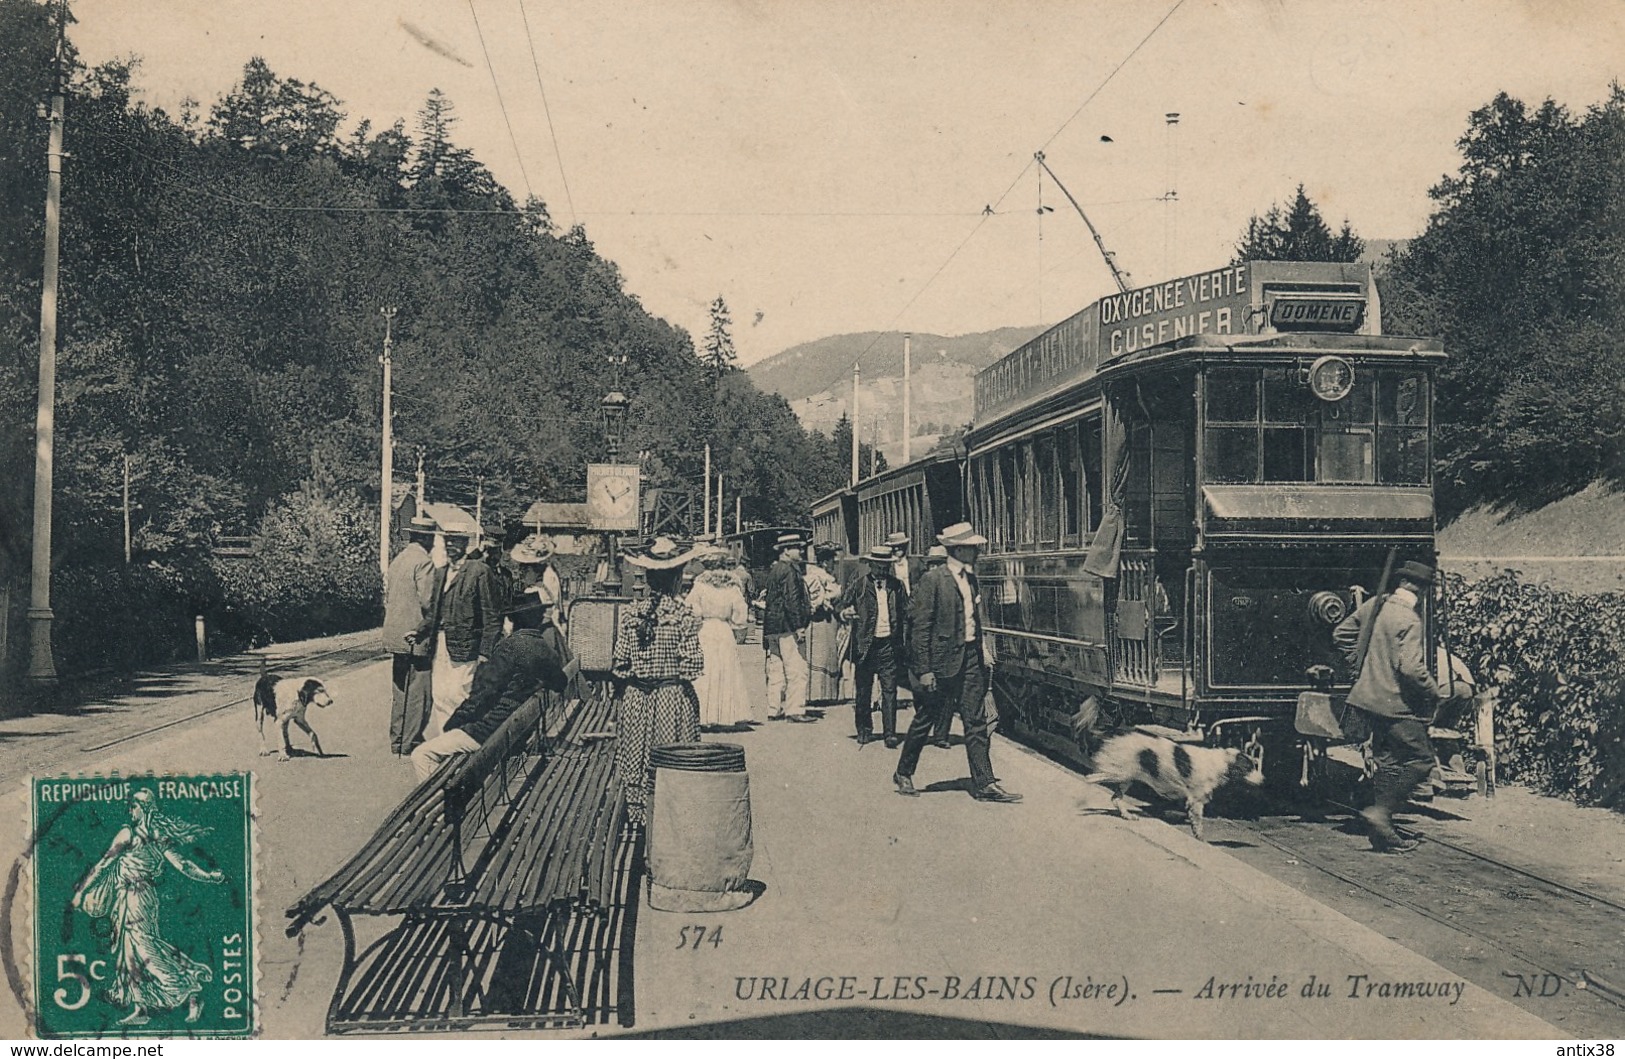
613,408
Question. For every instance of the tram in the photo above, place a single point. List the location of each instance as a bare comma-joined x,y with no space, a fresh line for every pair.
1185,488
918,498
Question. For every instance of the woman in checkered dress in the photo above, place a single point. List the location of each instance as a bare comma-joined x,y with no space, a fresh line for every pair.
657,658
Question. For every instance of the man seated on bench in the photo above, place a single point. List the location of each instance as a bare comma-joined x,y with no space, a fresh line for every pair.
532,658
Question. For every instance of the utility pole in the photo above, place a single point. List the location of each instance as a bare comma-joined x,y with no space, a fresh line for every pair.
908,418
739,511
719,506
479,502
705,520
1171,230
855,429
421,481
126,509
41,660
386,480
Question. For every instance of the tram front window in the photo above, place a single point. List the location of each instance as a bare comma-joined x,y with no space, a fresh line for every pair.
1262,425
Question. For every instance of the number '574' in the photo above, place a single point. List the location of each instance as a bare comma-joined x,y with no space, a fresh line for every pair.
701,936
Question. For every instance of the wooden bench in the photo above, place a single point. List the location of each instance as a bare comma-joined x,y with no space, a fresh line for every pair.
515,879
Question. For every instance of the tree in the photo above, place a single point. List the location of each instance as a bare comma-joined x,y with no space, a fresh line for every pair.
1297,234
1521,271
719,344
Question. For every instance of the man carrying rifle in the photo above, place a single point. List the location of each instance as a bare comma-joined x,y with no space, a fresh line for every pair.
1384,641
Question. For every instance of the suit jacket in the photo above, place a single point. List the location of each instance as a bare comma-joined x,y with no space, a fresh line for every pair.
860,595
411,602
521,666
936,625
1395,681
788,609
469,615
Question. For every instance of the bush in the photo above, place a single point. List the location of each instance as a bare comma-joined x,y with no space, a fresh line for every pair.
314,571
128,616
1558,661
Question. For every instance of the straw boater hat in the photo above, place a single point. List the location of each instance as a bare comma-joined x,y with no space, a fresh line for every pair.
896,540
880,553
790,540
823,548
663,554
937,554
533,549
1421,573
422,525
961,535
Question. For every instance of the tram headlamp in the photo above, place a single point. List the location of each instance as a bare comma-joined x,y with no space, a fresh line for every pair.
1327,607
1331,378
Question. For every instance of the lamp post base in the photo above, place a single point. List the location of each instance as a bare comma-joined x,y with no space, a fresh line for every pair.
41,662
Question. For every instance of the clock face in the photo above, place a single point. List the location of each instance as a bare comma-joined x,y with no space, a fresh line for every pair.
616,494
612,496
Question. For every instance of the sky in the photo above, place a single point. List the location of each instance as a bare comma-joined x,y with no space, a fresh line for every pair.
824,165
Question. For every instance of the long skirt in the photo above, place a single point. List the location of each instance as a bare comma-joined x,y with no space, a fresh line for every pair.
669,713
824,650
724,696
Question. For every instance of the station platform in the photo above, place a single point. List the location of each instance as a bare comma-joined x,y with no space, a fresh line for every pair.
941,915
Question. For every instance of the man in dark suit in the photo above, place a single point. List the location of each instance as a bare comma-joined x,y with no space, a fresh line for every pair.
876,607
949,659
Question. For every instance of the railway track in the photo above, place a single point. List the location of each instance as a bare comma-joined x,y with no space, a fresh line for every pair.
1554,948
336,660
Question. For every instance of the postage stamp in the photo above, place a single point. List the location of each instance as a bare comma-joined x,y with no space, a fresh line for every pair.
143,910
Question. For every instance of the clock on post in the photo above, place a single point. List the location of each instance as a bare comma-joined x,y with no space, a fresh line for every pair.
612,496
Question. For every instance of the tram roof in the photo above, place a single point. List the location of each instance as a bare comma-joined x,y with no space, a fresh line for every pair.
911,467
1198,348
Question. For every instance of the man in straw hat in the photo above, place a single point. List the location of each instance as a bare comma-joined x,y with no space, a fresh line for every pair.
876,609
411,608
533,657
1396,691
469,623
907,569
787,614
949,659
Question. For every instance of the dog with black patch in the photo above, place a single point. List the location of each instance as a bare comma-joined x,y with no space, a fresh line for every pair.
284,701
1173,770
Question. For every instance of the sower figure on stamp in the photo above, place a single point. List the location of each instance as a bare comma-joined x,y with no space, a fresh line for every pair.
950,659
1396,691
785,618
875,607
149,972
411,606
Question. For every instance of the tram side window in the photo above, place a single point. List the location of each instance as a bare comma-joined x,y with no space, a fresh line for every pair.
1347,438
1047,499
1026,507
1094,469
1009,490
1070,457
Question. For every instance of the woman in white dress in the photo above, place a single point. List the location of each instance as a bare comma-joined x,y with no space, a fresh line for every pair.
724,695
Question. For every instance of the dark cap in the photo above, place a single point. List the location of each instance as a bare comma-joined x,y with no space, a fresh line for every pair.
1421,573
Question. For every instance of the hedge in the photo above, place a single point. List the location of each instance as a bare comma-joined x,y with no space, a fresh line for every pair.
1559,661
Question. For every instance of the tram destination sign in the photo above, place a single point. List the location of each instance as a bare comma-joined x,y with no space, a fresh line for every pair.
1245,298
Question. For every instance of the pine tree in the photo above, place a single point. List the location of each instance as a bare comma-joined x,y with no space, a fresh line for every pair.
719,344
1298,233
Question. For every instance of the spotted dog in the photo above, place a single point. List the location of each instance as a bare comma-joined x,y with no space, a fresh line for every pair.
284,701
1173,770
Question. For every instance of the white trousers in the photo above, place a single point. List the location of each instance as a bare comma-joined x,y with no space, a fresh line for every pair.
450,684
786,680
428,756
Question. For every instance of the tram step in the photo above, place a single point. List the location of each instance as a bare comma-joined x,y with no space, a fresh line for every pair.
1178,735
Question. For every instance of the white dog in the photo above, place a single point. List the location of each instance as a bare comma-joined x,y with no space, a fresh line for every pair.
1173,770
284,701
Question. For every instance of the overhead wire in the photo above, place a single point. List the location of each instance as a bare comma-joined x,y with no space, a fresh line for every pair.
547,110
992,208
502,106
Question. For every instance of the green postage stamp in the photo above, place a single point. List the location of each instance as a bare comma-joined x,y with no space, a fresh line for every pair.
143,906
